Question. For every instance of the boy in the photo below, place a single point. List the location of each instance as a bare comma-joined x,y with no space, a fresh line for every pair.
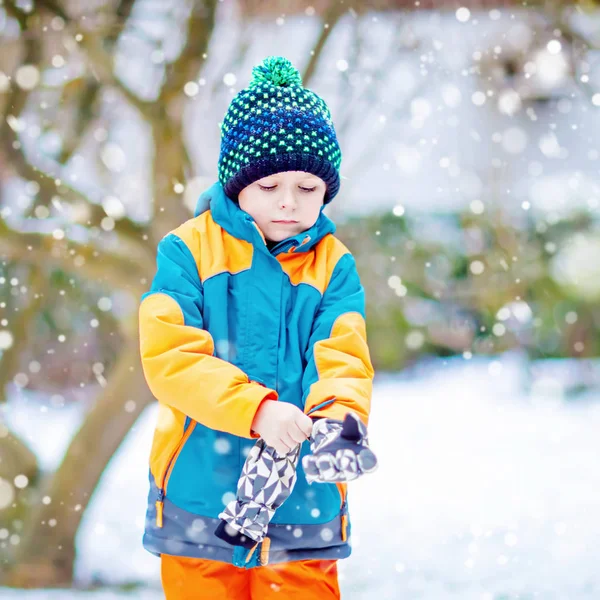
254,321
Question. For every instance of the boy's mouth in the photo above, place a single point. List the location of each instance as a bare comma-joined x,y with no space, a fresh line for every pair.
286,222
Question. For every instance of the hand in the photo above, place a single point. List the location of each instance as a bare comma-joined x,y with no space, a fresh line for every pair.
340,451
282,425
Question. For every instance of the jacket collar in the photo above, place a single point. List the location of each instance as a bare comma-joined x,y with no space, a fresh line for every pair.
241,225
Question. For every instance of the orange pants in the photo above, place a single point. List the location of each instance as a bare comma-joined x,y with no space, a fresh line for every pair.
197,579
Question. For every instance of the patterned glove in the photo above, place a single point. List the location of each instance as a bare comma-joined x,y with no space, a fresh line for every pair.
340,451
266,482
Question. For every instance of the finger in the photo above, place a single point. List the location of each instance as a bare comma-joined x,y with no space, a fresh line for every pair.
281,447
297,434
289,441
305,423
367,461
311,471
285,444
327,467
347,464
346,461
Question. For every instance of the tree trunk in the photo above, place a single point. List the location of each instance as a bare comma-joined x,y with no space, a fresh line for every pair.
47,551
16,458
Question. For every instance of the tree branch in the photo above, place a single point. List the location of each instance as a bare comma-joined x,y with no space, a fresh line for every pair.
122,13
22,322
199,26
171,160
119,271
47,182
332,15
86,92
46,554
102,66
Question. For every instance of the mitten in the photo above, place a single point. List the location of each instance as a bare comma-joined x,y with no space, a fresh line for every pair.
266,482
340,451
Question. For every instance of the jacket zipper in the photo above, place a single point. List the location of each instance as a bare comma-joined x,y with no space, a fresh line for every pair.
165,480
343,490
279,336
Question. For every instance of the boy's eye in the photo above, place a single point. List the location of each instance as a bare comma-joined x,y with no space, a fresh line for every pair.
268,189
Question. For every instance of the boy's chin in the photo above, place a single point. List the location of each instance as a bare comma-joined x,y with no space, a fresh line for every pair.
279,236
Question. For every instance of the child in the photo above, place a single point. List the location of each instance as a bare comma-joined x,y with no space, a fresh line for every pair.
255,320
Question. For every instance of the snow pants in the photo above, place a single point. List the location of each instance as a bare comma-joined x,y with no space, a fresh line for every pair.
196,579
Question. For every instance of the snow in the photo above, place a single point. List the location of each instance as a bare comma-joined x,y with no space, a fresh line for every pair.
484,491
148,594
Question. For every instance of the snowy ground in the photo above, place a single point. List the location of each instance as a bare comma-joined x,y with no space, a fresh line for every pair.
483,493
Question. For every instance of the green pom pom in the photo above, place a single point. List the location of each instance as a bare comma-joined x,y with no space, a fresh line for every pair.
276,70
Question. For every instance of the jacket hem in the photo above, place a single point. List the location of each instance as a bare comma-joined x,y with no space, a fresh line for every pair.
159,546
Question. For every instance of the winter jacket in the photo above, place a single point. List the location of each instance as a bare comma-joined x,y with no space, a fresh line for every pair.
227,324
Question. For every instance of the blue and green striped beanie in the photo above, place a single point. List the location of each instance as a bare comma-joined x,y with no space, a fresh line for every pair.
277,125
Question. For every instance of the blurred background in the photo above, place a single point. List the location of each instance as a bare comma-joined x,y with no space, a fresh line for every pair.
470,197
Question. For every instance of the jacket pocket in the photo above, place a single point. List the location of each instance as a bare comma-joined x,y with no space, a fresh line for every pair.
162,490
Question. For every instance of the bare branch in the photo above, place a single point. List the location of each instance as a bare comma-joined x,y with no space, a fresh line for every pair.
101,64
199,27
121,271
21,324
87,91
55,8
171,160
122,13
50,184
332,15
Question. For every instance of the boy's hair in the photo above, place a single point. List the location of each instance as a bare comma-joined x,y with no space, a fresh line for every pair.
274,125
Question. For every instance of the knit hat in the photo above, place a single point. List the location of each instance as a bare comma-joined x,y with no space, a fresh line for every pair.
277,125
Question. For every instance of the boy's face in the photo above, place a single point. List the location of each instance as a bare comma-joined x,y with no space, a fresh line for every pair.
284,204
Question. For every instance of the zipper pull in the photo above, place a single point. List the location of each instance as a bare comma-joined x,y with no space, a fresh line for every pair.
159,508
344,528
159,513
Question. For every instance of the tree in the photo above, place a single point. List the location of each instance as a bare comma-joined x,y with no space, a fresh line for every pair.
118,251
51,120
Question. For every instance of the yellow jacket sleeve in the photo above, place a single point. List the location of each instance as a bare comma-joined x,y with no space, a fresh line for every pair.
177,354
338,377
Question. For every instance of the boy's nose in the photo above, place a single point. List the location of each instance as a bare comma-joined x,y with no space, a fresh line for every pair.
288,201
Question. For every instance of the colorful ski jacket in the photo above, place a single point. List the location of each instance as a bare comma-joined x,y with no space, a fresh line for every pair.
228,323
